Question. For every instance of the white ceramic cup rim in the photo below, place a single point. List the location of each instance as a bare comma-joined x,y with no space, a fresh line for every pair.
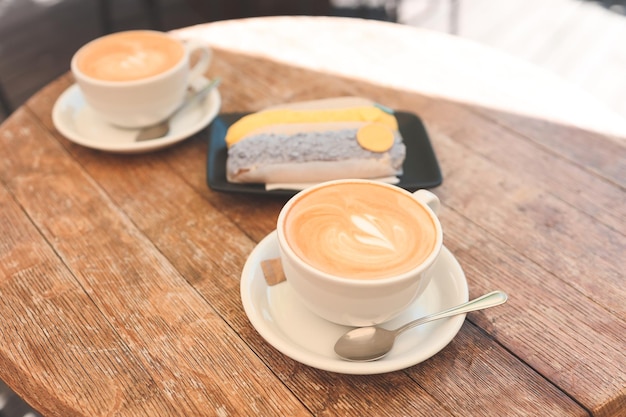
142,81
408,275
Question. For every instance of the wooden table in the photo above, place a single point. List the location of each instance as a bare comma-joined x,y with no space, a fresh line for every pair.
119,274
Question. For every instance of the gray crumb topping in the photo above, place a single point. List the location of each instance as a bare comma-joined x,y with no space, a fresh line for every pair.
271,148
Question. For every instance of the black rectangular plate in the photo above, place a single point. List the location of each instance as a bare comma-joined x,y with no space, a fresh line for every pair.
421,169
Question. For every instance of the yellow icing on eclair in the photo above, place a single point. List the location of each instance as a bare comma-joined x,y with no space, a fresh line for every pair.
254,121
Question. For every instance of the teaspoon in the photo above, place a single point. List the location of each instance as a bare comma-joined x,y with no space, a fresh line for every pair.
370,343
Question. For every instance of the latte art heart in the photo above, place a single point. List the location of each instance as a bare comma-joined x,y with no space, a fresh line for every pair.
360,232
371,235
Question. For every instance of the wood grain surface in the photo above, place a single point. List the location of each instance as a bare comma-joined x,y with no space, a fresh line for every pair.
119,274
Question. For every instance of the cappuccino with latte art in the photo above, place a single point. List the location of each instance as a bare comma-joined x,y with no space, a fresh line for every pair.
137,78
360,231
359,252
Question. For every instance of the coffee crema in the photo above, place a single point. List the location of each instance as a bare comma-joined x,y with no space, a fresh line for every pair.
360,231
129,56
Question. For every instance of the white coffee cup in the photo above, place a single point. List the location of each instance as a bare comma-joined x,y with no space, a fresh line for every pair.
359,252
138,78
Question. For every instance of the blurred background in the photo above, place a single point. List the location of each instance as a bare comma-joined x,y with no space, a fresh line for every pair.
580,40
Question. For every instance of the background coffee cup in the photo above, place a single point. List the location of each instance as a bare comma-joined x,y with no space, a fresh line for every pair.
138,78
364,250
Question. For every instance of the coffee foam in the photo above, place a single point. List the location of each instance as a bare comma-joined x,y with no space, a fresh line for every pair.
129,56
360,231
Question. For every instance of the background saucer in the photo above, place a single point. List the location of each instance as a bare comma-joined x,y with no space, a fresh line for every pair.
296,332
78,122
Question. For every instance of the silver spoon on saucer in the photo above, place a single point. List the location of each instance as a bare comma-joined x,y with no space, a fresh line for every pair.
162,128
370,343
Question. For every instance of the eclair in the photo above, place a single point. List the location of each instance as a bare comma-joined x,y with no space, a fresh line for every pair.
315,141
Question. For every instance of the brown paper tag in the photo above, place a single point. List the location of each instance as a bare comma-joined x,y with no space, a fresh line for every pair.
273,271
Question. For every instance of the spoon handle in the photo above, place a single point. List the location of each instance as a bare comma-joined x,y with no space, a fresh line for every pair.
201,93
492,299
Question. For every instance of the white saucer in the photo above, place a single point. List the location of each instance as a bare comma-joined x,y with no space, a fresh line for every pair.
78,122
296,332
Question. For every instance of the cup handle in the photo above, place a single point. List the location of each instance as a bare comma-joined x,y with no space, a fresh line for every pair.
196,73
428,198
